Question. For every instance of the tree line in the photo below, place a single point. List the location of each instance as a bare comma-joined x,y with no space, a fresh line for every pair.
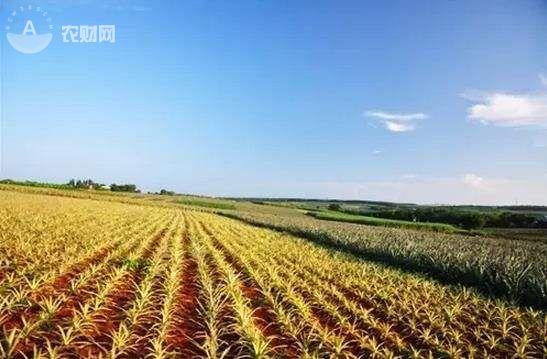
90,184
124,188
463,219
77,184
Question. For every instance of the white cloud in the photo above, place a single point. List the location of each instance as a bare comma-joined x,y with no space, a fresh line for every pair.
397,122
509,109
474,181
376,152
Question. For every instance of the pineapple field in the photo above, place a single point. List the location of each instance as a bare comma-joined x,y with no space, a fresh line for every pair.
93,276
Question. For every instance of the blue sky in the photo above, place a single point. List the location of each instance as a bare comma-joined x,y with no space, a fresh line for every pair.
416,101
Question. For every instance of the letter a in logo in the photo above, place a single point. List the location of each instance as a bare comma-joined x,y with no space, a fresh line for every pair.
29,27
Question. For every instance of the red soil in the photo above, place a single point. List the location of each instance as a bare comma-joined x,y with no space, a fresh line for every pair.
109,318
56,288
185,330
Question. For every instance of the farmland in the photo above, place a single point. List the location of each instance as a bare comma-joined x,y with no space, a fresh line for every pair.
123,277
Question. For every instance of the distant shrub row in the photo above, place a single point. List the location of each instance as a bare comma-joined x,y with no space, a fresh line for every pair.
467,219
373,221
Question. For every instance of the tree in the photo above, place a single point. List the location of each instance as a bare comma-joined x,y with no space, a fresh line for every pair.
85,184
123,188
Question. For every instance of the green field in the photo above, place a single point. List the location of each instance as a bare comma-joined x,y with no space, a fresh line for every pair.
374,221
206,203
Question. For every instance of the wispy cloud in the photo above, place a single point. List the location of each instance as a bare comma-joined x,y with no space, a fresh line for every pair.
397,122
377,152
396,116
543,79
508,109
474,181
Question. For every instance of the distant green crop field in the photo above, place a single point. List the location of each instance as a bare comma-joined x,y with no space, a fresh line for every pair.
374,221
206,204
